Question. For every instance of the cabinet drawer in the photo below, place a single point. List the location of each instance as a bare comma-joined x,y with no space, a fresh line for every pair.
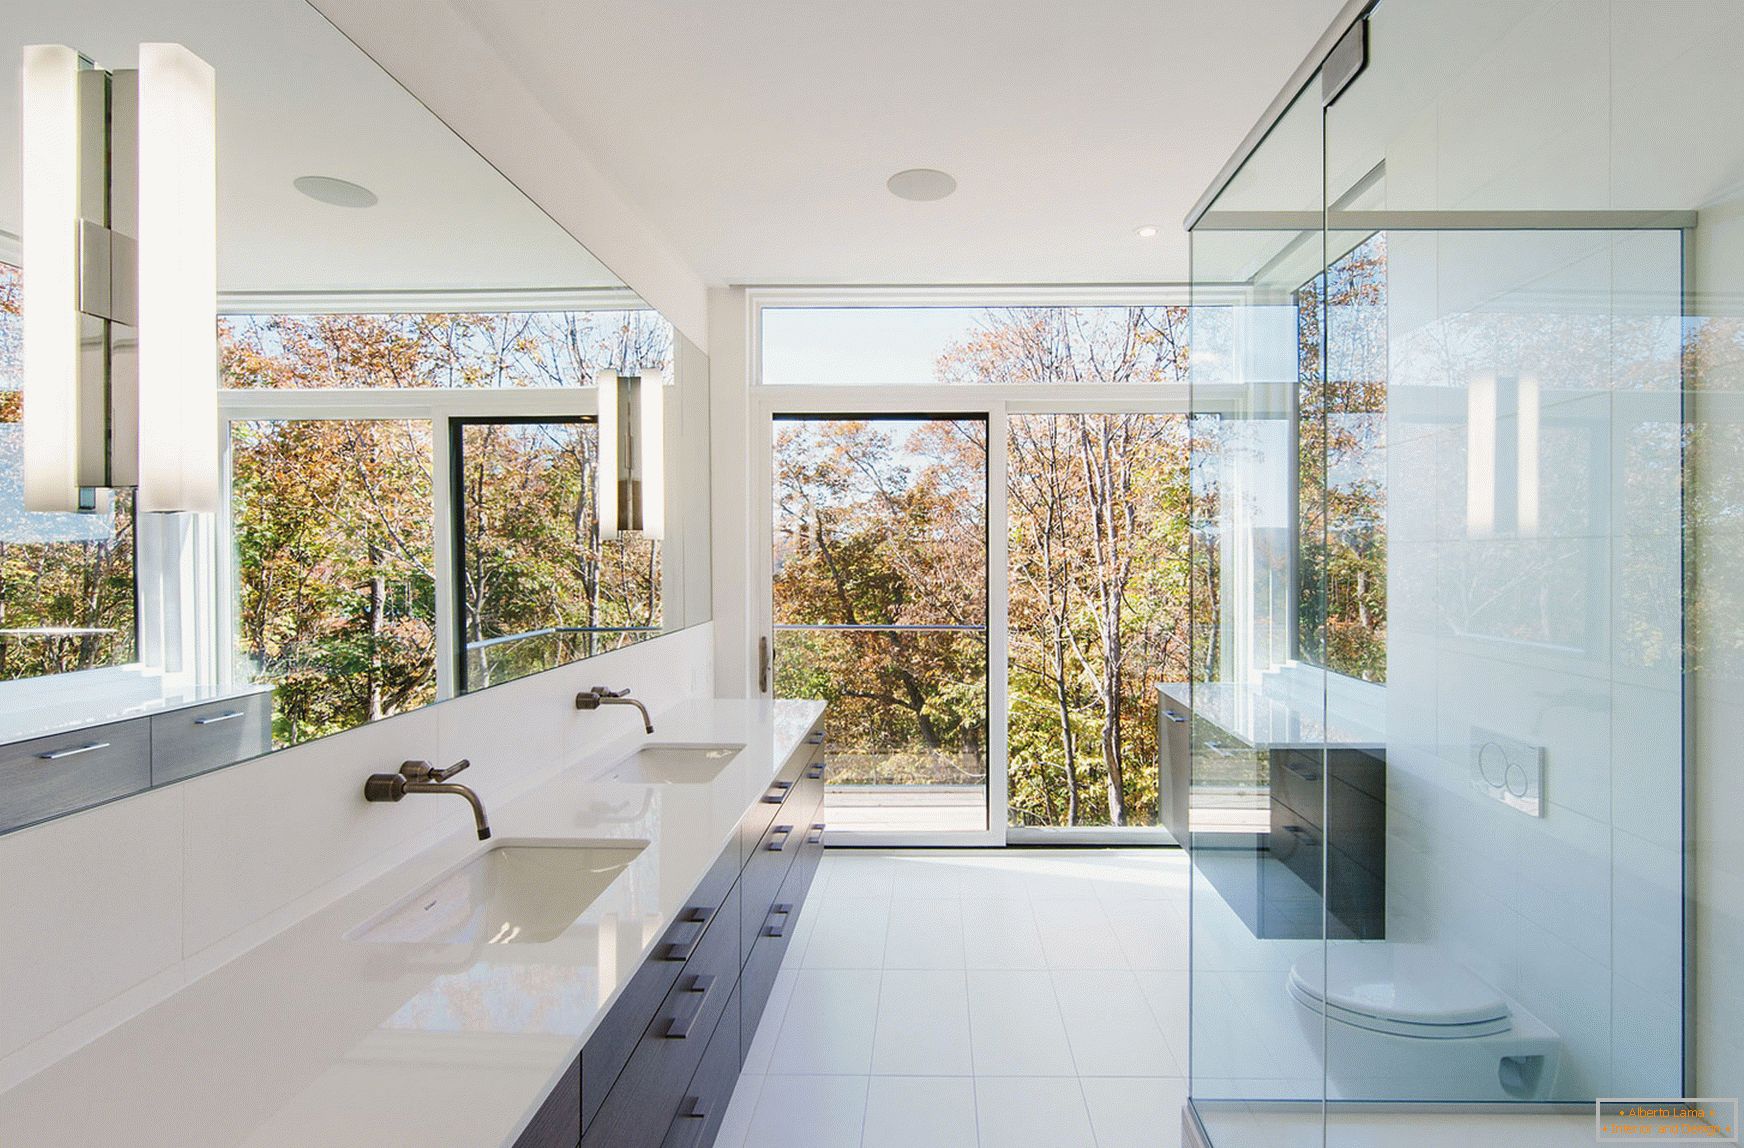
706,914
774,933
48,776
767,869
638,1109
704,1103
193,740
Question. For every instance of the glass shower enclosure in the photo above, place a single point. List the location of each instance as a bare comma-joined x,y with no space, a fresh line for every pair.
1445,312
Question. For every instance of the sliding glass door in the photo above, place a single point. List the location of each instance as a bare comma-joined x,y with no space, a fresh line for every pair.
879,585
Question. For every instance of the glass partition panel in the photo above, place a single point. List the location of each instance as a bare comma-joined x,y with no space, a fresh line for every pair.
1255,709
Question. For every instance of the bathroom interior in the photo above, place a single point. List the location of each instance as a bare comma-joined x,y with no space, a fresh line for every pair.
409,401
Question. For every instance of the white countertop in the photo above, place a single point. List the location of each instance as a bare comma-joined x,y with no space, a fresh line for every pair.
313,1041
38,707
1268,719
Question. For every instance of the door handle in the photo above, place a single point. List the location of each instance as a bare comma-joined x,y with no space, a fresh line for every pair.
763,665
679,1027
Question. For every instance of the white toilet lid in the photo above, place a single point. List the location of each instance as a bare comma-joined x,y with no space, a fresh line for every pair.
1402,986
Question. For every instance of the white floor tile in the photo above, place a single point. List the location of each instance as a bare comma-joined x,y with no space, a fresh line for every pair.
1110,1027
924,935
930,875
830,1022
816,1111
1014,1025
849,934
923,1024
854,873
1152,934
986,873
1135,1111
1001,934
1076,934
920,1112
1032,1112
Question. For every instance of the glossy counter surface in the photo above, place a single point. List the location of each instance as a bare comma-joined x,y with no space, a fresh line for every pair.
312,1039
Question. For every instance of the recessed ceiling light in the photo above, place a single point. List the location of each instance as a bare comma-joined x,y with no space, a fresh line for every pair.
338,192
1148,231
921,184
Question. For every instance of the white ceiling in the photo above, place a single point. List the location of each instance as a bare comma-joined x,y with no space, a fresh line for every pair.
758,135
297,98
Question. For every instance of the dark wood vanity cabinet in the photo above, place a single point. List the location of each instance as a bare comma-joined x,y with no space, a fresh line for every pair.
660,1068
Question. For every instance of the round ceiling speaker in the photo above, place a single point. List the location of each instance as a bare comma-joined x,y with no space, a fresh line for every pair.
921,184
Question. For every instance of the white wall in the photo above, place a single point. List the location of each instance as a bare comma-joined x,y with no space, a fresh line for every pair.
108,911
1540,600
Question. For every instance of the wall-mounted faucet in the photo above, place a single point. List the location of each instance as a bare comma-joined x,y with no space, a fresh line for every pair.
601,696
419,777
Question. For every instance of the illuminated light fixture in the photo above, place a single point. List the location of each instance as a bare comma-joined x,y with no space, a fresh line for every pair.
1148,231
120,281
178,274
631,485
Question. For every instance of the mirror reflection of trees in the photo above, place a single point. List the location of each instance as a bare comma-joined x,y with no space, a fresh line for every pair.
538,586
66,580
333,521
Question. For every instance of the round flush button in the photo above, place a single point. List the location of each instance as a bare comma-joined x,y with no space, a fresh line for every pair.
1493,764
1516,781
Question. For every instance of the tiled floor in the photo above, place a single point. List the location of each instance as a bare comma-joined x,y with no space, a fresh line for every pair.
1001,998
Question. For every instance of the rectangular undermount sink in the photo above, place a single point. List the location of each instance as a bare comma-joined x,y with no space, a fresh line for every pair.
673,764
516,893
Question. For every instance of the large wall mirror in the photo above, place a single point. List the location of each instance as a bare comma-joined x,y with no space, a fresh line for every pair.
410,405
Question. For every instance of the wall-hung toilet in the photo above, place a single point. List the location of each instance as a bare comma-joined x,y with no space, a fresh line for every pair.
1402,1022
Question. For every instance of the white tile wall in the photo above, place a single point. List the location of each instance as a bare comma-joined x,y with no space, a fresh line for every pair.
108,910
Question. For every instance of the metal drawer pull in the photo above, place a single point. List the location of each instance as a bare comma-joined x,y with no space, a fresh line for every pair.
783,832
678,1029
784,786
817,834
815,772
75,751
815,738
1173,716
682,1129
216,718
681,950
782,909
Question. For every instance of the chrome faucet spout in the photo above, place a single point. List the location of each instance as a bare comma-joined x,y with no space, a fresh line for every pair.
602,696
416,777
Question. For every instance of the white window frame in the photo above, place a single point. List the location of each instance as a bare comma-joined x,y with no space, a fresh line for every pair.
994,402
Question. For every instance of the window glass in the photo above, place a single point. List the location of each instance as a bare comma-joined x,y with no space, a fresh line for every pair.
910,346
66,580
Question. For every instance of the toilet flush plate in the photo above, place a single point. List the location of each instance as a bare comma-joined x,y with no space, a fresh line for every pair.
1509,770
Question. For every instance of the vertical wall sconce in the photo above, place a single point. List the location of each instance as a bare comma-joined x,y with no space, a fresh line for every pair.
631,484
120,280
